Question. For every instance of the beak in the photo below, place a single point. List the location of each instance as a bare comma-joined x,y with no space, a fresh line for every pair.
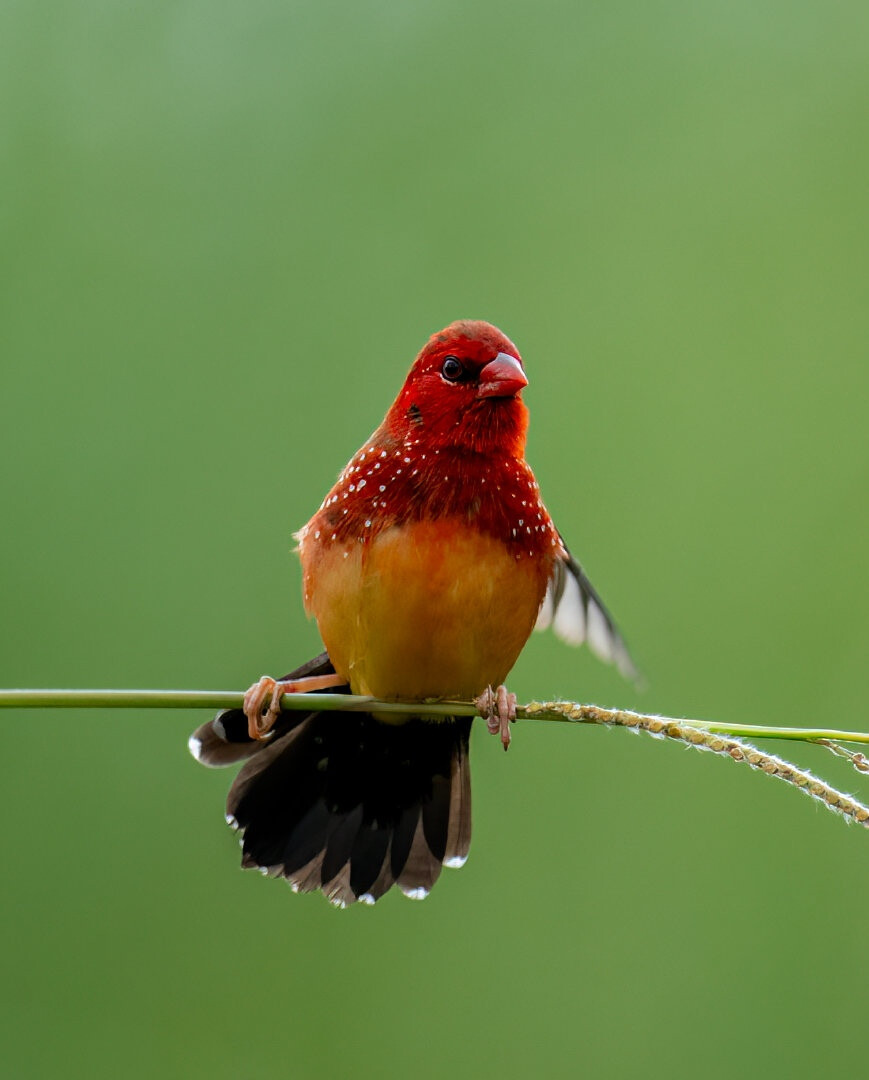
502,377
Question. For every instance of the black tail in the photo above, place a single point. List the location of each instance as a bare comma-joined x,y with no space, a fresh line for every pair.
342,802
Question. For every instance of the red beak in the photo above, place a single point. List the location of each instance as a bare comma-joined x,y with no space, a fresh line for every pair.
502,377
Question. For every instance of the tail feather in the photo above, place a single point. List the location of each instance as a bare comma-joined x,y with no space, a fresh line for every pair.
422,867
402,840
309,877
344,803
368,860
384,880
436,816
225,739
337,891
459,831
339,846
305,842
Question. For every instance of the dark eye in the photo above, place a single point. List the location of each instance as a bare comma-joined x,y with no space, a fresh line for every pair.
452,369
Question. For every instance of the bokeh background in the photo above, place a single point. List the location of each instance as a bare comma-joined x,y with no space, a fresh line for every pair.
227,229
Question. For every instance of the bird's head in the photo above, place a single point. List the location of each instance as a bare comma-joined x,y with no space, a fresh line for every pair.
463,390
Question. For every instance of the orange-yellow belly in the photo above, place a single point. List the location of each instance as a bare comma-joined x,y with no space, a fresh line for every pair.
424,610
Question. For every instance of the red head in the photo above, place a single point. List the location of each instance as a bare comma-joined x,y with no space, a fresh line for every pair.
463,390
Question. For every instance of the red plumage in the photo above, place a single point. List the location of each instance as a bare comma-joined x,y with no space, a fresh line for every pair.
442,451
426,567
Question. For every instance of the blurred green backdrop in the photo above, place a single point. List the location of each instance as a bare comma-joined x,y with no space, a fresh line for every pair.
227,229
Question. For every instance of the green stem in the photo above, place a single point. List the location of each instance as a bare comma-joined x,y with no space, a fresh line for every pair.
556,711
216,699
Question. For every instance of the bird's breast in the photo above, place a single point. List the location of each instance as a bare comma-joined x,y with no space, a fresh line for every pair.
424,609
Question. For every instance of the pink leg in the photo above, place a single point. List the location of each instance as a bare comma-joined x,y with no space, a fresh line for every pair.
498,709
270,690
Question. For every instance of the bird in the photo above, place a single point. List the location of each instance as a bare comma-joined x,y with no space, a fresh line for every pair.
426,568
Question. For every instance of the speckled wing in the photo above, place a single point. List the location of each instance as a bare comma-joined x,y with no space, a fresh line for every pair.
577,614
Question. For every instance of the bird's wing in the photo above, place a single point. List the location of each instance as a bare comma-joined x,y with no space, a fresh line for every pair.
577,614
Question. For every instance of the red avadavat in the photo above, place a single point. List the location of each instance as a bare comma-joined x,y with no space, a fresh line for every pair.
426,568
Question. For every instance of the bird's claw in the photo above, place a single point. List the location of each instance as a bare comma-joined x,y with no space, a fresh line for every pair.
498,709
267,689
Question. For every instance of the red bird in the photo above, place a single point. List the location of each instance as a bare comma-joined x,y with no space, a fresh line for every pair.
426,567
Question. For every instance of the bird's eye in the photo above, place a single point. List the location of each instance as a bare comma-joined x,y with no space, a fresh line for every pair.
452,369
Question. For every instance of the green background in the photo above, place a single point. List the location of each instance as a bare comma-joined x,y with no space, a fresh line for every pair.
227,229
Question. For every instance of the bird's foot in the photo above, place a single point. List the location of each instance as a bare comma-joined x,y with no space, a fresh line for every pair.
498,709
262,702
